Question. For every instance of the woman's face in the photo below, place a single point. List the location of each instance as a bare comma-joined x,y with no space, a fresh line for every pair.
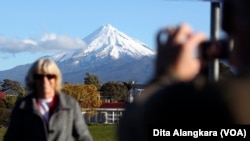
45,85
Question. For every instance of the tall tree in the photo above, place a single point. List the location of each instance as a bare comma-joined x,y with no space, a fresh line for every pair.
92,79
114,91
130,85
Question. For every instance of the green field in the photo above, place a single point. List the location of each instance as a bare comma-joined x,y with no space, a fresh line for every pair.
99,132
2,131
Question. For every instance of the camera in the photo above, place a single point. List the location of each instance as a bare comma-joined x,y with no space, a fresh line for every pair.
207,50
220,49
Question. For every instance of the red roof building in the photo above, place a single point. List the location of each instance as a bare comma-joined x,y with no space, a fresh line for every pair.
2,95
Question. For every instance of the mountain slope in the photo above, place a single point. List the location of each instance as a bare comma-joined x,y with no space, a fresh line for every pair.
109,54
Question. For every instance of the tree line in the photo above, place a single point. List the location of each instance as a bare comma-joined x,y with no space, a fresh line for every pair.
90,94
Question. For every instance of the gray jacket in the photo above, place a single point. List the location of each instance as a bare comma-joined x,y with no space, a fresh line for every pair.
66,122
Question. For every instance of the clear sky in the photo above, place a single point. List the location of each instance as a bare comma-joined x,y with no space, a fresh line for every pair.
30,29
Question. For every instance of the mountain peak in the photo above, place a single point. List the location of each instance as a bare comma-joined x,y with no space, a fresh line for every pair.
108,41
108,27
105,30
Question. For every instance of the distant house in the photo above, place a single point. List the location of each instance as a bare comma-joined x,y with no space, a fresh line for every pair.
134,92
111,112
139,88
137,91
108,113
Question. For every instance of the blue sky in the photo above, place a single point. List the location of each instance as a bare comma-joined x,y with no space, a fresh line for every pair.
27,23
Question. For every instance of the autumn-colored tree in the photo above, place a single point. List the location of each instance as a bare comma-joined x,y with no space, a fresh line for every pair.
87,95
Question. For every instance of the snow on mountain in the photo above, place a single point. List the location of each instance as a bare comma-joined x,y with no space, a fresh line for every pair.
110,54
104,45
109,41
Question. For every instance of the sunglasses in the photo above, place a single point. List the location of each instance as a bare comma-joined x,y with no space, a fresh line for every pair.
41,76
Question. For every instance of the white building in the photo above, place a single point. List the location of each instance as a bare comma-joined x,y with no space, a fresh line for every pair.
108,113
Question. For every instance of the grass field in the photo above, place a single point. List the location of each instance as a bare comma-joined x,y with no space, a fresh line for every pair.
2,131
99,132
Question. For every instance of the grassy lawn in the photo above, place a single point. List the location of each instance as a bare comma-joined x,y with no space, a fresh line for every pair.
103,132
99,132
2,131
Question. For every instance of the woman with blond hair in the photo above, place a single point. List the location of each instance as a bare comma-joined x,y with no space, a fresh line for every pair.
46,114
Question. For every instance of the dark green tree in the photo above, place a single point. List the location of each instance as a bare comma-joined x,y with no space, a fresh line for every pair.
114,91
14,86
92,79
129,85
225,71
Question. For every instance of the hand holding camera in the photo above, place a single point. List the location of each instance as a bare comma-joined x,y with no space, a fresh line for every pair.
182,52
220,49
176,53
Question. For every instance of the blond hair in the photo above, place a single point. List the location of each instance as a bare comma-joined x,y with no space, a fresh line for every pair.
43,66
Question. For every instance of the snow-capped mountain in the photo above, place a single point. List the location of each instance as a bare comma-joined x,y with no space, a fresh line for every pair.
109,54
107,41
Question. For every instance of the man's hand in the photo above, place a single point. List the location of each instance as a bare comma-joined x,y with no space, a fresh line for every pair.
176,56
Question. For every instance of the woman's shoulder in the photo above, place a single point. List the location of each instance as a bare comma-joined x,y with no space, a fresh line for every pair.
67,98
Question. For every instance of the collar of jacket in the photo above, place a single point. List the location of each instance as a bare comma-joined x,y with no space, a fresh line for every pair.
30,102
